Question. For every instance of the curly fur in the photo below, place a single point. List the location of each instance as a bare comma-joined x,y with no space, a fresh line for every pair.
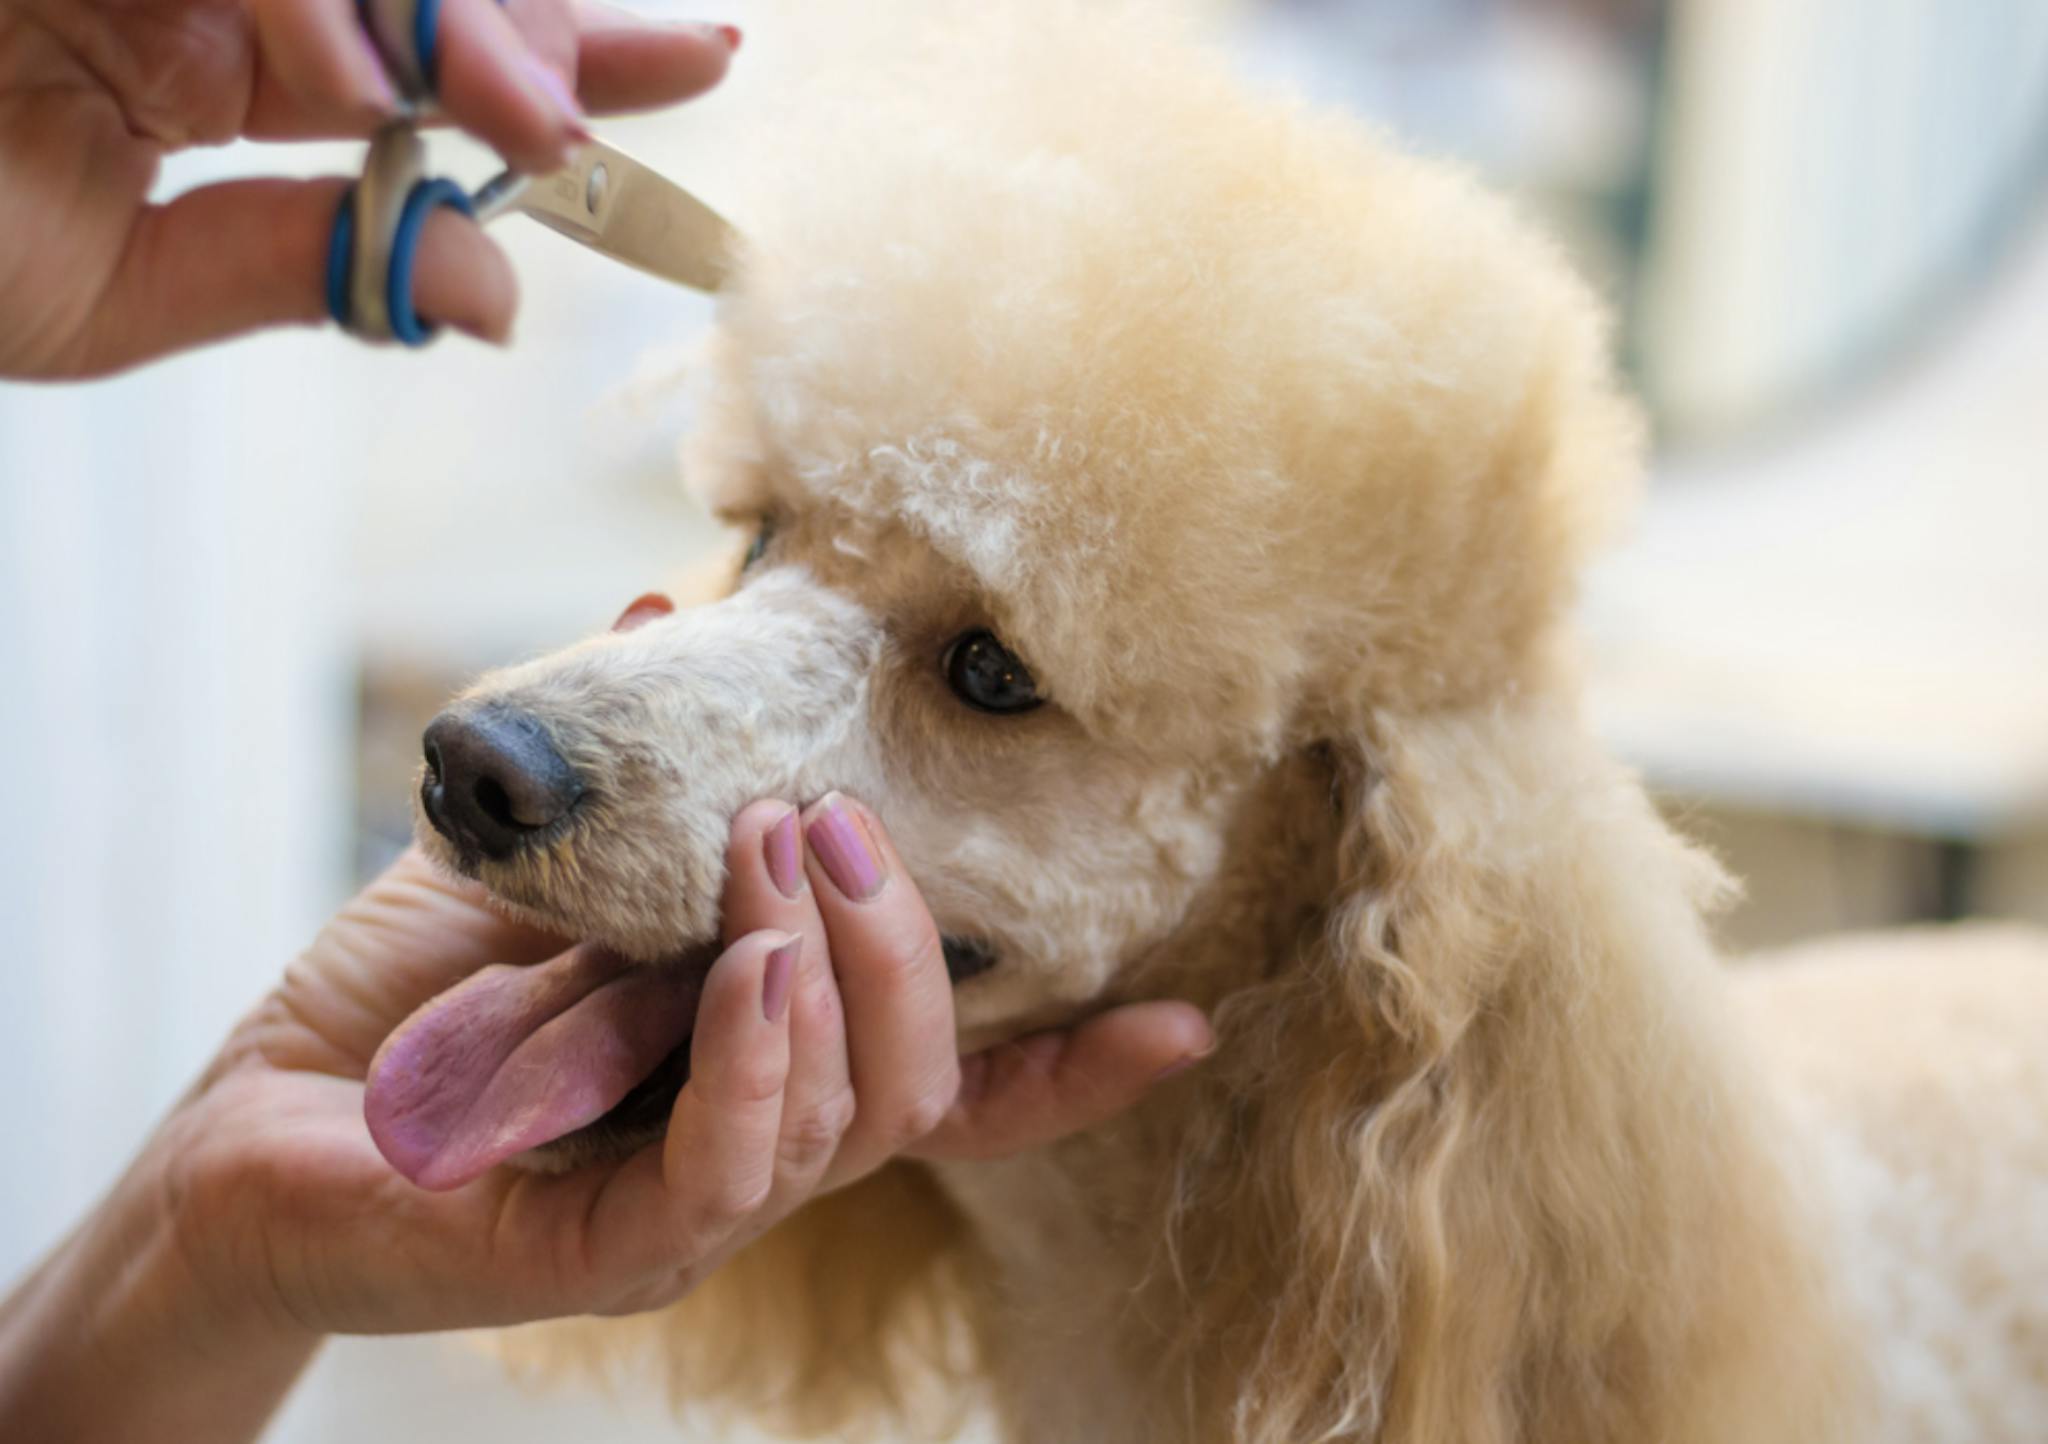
1274,453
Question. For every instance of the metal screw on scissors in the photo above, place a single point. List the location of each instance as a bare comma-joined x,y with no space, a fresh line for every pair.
603,199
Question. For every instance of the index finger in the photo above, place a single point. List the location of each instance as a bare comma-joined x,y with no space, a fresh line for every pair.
511,76
509,83
893,985
568,55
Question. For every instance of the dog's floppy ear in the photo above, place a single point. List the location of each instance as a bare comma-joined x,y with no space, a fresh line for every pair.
1487,1126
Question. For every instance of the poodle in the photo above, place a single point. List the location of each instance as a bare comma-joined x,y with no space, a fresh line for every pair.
1161,504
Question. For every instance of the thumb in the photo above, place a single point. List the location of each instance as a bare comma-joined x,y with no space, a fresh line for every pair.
1039,1088
230,258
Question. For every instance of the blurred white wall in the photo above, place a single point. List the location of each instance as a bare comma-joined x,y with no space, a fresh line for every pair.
1848,618
174,729
1828,645
1831,174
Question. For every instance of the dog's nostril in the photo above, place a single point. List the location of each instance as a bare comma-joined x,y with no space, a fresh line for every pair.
491,797
494,780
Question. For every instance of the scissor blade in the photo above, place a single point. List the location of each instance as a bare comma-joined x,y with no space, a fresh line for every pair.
612,203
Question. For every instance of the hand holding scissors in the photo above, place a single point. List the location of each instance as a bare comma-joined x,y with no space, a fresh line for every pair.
93,93
602,198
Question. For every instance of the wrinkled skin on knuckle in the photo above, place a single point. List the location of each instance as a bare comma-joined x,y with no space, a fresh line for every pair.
750,1083
731,1202
913,954
656,1289
816,1011
812,1137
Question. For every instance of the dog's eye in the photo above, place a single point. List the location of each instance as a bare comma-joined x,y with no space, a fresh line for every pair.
985,674
759,548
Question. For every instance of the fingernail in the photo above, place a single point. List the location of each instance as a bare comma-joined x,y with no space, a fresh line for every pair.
556,90
842,845
500,337
476,331
785,853
730,34
776,978
1182,1065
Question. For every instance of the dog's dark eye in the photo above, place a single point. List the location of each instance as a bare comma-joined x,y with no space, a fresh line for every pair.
759,548
984,673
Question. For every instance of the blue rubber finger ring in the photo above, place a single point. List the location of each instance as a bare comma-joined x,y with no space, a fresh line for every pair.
426,42
418,72
426,198
341,257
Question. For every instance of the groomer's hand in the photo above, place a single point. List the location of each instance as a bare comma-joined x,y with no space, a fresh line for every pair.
804,1075
93,93
260,1216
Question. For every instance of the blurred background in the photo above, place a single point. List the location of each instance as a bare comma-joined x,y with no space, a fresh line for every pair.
233,587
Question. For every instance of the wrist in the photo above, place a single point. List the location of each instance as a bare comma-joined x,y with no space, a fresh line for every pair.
123,1332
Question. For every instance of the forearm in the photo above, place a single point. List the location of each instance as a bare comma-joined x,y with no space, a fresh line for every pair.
114,1338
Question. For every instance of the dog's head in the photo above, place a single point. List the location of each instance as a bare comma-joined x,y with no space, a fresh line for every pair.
1085,472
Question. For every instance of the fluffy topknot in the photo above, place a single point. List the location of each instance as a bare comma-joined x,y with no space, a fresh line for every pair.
1159,360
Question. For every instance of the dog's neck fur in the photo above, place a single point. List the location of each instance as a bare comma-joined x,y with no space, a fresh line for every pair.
1158,1323
1070,1234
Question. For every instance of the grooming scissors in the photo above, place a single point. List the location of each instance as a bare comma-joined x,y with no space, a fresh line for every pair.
603,199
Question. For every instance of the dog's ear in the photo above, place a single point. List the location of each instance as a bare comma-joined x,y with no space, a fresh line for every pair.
844,1321
1489,1132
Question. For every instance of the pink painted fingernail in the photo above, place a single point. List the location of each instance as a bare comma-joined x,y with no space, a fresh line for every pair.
785,854
730,34
842,845
776,977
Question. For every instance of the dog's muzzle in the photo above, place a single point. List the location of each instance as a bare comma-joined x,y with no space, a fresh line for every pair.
494,782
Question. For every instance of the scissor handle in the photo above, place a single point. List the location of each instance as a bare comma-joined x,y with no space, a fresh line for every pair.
407,34
400,316
374,247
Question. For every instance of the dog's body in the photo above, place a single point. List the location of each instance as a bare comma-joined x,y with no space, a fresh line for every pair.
1272,455
1928,1177
1916,1072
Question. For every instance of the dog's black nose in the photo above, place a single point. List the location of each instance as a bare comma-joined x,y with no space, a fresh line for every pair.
494,780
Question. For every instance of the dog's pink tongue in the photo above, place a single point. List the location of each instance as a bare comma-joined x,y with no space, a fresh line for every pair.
514,1057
